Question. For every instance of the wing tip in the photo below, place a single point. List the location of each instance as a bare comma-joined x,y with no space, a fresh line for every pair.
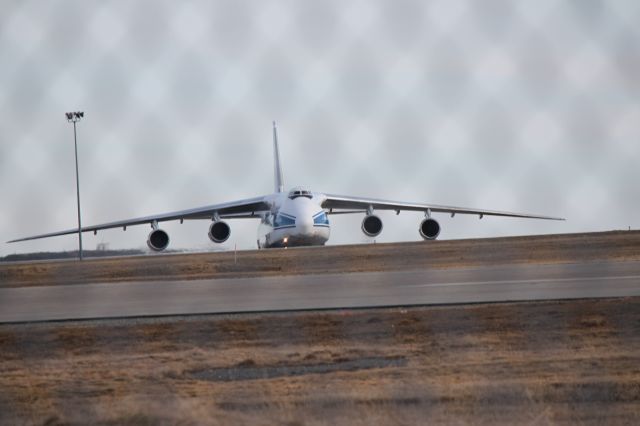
18,240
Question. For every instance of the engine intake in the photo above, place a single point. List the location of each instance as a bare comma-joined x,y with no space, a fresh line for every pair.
429,229
219,232
371,225
158,240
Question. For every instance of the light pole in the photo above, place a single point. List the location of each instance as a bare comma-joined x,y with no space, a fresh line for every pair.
74,117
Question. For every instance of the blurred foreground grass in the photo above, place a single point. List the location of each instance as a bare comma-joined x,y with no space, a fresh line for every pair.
540,362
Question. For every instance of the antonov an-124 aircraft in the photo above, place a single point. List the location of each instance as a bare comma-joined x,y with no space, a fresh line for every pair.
295,218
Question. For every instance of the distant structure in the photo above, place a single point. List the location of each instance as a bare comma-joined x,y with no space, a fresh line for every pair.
102,247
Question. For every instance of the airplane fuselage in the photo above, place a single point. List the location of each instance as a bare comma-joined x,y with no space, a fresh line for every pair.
295,220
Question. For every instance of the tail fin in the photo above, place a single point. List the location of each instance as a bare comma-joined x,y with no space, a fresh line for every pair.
277,171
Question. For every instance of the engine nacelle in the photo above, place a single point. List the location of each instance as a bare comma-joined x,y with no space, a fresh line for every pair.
158,240
429,229
219,232
371,225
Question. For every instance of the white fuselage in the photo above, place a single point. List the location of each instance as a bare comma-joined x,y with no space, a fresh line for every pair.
294,221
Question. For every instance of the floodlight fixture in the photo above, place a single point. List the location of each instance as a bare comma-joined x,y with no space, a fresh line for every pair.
72,117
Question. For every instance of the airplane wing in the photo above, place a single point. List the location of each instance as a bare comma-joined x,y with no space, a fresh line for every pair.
340,203
235,209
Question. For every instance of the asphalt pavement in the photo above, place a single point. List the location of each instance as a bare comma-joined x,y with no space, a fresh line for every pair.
328,291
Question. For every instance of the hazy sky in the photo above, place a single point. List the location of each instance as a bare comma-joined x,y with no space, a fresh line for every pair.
529,106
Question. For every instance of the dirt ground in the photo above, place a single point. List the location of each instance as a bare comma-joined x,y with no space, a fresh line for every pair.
514,363
567,248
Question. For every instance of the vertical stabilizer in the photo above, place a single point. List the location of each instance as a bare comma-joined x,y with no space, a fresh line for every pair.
277,171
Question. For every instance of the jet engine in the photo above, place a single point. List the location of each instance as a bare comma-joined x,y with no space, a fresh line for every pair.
371,225
429,229
219,232
158,240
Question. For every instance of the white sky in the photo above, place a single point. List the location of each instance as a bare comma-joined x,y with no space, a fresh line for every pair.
510,105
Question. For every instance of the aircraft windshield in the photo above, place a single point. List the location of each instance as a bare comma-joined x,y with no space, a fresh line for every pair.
321,219
298,192
283,220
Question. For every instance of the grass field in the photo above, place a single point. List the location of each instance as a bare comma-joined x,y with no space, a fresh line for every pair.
530,363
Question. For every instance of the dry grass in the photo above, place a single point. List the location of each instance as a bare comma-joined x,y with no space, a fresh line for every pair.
537,363
610,246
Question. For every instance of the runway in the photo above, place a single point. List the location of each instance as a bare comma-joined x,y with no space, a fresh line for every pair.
327,291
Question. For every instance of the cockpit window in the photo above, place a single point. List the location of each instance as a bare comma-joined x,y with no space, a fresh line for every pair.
283,220
297,192
320,219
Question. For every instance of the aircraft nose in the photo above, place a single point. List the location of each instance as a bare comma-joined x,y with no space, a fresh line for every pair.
305,224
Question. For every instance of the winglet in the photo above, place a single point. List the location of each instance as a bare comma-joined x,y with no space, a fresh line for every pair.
277,170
